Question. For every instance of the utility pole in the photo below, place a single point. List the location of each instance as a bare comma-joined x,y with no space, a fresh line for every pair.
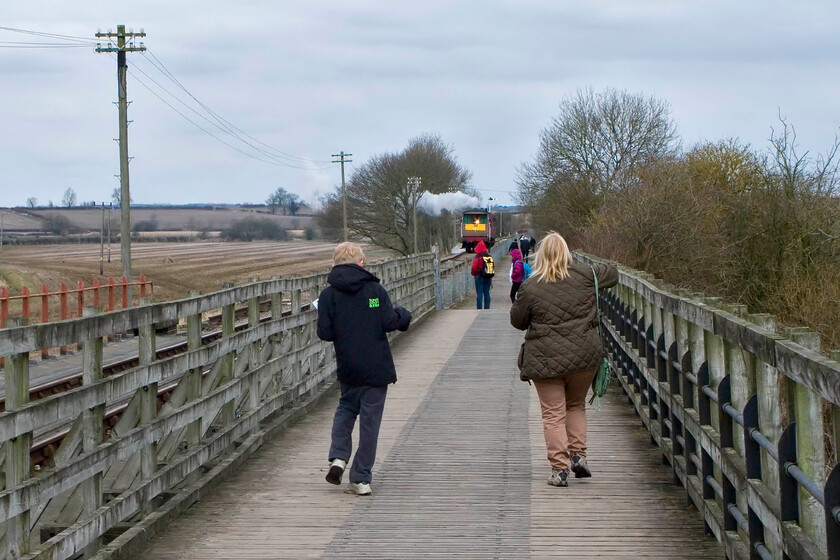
110,207
343,159
125,43
102,242
415,197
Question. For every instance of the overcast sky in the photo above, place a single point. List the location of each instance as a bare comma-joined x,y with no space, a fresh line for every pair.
311,78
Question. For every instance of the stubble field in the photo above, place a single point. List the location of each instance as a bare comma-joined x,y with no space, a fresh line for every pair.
174,268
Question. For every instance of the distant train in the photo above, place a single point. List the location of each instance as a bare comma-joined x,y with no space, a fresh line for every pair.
478,225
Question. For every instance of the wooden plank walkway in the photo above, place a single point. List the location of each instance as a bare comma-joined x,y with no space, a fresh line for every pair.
461,473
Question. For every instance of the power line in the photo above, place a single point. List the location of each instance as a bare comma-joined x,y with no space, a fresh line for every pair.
226,126
85,41
265,152
160,66
198,126
201,128
24,45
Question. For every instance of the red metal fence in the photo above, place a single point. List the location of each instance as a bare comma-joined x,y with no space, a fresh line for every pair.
64,295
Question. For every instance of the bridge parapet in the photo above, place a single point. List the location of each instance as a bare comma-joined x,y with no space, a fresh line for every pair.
748,419
140,446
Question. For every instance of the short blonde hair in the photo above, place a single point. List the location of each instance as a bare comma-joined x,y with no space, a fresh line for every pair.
348,252
553,258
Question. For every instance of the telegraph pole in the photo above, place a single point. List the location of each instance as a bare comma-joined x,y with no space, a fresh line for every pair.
102,242
415,183
342,160
125,43
110,206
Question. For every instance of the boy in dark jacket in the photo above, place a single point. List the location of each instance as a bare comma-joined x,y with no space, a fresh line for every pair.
354,313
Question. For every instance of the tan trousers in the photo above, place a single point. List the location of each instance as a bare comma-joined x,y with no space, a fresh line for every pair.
563,403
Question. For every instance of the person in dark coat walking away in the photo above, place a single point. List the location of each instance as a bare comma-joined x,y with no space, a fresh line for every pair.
354,313
517,273
483,268
525,247
562,349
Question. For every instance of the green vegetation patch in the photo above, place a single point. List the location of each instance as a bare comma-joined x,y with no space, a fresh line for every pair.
13,280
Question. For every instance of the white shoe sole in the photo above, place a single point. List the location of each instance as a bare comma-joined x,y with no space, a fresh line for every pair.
351,490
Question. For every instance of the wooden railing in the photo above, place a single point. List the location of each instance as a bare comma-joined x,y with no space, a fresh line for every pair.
106,493
748,419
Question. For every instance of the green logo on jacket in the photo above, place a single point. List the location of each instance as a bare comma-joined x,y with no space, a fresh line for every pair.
373,302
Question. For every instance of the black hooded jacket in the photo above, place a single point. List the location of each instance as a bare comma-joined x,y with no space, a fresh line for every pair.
354,313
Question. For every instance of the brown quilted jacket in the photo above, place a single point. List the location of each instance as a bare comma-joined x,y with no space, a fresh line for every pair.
559,320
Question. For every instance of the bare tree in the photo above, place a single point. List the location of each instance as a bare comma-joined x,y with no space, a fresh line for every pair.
116,196
381,199
293,203
31,202
277,198
69,198
593,147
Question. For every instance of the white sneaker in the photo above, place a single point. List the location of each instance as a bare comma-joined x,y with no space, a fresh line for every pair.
336,471
358,488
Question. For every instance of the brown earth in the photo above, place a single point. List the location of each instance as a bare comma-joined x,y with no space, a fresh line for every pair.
174,268
167,218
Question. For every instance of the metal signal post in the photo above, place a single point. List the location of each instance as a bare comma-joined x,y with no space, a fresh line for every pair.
124,44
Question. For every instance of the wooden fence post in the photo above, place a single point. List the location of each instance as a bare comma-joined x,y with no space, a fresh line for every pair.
193,435
17,449
297,332
810,449
92,419
835,415
228,412
769,397
276,314
148,405
254,353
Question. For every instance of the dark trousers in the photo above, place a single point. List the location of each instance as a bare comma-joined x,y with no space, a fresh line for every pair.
513,289
367,403
482,292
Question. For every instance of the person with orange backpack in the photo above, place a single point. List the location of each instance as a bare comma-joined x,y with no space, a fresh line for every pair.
483,268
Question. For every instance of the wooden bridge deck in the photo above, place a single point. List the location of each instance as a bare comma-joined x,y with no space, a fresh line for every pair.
461,473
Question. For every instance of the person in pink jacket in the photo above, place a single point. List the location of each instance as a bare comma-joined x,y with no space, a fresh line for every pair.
517,273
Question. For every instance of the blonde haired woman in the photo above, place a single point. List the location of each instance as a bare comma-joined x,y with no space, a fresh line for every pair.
556,308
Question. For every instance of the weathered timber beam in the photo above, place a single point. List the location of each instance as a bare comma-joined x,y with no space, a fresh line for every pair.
73,402
77,536
30,493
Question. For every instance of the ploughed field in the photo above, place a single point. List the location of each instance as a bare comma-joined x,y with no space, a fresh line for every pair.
174,268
